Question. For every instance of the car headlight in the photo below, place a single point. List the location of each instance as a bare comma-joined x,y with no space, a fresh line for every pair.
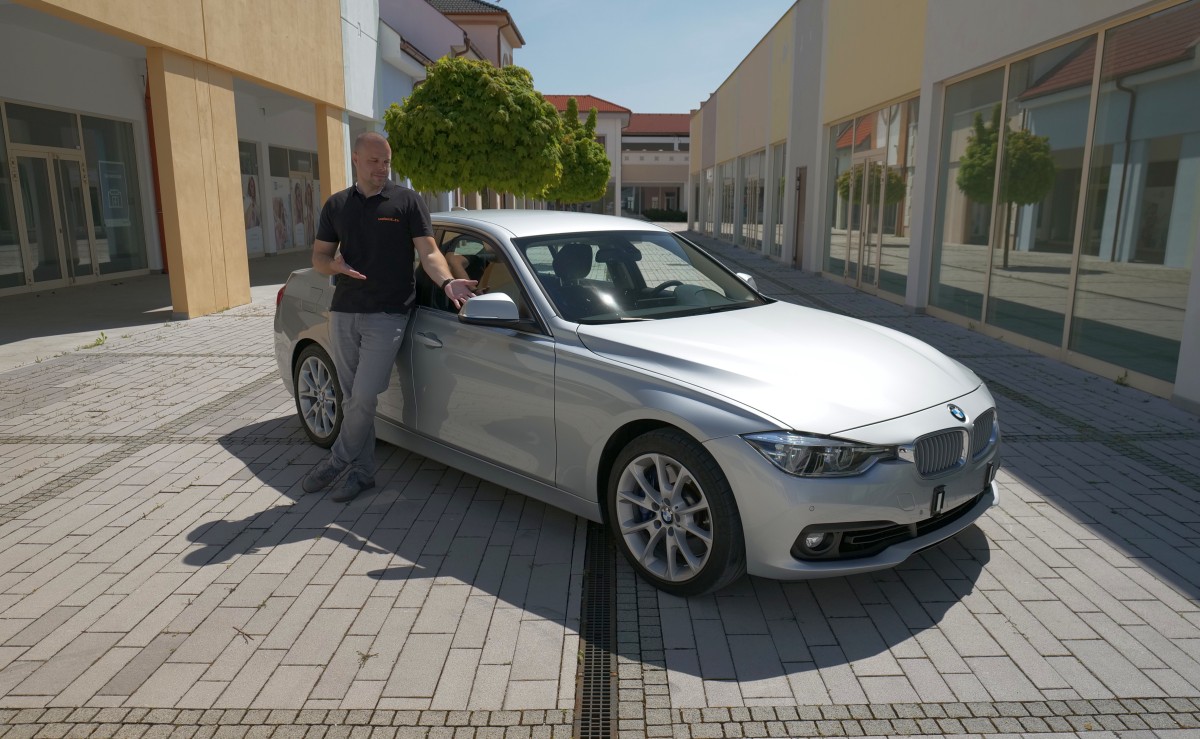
815,456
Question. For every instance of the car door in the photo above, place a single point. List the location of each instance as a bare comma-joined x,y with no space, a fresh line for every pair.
486,390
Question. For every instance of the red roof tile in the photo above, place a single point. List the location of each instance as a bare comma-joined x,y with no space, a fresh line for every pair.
659,124
856,134
586,103
1157,41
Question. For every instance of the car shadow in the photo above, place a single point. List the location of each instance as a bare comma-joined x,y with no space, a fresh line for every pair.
768,634
425,521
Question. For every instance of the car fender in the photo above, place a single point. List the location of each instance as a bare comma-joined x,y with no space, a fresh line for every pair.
596,398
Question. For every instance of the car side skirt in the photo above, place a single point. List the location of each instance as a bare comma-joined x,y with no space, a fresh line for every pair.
484,470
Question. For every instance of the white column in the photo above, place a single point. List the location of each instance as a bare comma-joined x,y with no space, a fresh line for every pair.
1184,229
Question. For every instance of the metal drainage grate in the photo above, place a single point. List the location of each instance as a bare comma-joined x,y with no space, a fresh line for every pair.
596,679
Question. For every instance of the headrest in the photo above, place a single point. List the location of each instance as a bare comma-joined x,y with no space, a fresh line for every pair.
573,262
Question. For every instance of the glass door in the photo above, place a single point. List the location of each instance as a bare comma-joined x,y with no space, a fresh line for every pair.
870,231
43,243
75,222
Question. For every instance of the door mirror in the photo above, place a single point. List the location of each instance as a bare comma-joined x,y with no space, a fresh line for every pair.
490,309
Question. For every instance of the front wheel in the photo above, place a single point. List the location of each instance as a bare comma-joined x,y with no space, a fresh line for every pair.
318,395
673,515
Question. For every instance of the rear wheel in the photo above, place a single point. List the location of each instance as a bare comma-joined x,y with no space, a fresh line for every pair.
673,515
318,395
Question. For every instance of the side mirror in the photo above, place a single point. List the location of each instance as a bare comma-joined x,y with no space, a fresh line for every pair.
749,280
489,309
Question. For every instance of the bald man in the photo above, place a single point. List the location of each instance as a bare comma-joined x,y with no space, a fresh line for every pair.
366,239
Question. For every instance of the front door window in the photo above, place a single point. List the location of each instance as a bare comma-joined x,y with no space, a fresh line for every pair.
44,247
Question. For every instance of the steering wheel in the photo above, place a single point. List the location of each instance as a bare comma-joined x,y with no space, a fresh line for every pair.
658,289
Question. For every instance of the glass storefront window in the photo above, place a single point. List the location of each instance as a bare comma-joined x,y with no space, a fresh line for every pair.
115,195
752,171
707,202
870,175
12,266
1141,223
961,235
841,146
726,195
779,185
1047,111
41,126
252,198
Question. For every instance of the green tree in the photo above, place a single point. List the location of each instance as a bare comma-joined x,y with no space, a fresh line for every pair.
585,165
474,126
1027,176
893,191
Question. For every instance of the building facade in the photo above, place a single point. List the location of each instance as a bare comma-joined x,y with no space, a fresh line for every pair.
1028,170
654,162
194,135
611,120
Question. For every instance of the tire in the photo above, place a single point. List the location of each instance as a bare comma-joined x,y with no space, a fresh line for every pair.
318,395
697,545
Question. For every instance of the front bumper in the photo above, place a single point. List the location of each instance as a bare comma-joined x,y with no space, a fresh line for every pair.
890,497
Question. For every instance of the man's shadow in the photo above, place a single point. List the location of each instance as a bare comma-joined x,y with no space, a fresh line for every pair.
425,520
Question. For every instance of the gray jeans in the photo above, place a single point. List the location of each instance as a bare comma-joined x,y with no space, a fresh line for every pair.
364,352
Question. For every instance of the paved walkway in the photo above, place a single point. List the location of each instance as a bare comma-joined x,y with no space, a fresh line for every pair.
161,574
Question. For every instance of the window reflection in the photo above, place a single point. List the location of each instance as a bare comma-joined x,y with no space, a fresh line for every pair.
870,179
1047,113
1141,222
726,196
753,169
12,266
115,195
963,222
778,165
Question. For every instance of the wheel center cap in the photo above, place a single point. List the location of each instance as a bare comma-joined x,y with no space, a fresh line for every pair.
667,516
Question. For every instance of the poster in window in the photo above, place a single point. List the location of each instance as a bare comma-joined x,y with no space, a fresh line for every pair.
281,212
114,194
252,209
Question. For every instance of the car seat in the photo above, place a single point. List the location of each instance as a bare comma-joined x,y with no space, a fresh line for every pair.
572,263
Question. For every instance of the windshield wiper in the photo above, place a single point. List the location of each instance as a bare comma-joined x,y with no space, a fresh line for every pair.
615,319
719,308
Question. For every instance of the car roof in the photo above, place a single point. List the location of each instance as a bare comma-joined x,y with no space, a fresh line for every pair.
520,223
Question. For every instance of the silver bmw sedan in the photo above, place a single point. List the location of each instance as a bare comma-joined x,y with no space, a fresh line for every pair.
616,370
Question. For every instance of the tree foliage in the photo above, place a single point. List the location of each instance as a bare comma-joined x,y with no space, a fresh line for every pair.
474,126
585,165
893,190
1028,164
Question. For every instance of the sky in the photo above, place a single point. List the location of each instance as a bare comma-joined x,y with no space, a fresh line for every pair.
651,56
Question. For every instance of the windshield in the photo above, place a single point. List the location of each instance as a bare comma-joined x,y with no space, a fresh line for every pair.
612,276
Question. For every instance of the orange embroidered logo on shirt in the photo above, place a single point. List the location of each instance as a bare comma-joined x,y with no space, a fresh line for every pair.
386,218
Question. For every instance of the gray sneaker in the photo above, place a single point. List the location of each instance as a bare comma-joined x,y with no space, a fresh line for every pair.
355,481
319,477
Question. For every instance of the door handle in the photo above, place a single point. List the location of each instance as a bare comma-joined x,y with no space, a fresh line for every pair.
430,340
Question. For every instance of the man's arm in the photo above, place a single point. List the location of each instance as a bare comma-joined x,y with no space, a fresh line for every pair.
434,264
327,260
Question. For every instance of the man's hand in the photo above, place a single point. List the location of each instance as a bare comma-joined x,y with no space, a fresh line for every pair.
340,267
460,291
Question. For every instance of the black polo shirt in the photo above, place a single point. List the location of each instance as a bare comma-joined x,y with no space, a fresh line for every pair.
376,237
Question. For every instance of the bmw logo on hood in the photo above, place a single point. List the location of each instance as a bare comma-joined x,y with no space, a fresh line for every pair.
957,412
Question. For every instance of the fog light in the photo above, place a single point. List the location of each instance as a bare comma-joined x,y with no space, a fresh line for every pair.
818,542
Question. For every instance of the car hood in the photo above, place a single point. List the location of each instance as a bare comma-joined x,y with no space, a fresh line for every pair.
808,369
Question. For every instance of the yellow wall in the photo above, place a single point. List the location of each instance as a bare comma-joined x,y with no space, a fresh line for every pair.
195,135
879,57
754,103
783,38
291,45
194,48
